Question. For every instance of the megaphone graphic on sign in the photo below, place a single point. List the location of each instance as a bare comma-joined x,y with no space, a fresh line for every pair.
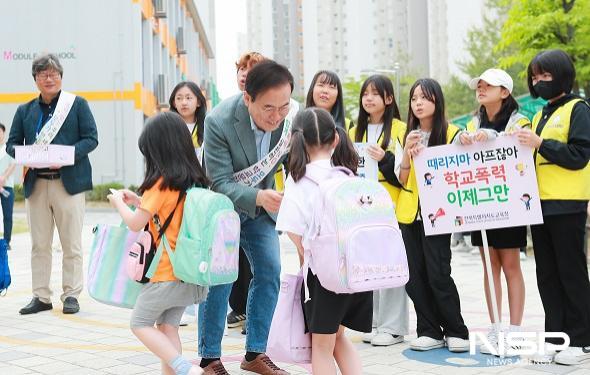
440,212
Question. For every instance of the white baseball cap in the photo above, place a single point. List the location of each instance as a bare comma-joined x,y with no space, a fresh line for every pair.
494,77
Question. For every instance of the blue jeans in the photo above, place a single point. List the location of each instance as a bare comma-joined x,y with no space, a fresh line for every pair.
260,242
7,206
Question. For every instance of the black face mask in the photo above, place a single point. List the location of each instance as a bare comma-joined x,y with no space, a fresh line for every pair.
548,89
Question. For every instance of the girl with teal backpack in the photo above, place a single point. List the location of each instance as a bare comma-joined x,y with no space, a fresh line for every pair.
171,169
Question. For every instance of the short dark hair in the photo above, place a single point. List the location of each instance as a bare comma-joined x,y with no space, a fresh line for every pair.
265,75
556,62
201,109
2,127
44,62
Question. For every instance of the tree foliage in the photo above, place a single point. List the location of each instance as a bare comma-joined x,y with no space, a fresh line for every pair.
536,25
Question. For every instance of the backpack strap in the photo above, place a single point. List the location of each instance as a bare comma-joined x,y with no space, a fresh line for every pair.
344,170
164,241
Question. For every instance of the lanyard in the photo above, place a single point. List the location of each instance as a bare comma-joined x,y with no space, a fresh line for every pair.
40,124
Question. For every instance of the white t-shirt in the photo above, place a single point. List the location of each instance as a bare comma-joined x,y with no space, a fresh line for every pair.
373,132
191,127
299,199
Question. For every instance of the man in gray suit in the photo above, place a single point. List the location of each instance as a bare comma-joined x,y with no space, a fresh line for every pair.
242,132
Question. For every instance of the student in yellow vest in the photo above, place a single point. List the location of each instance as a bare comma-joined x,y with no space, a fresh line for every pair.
379,124
431,286
189,102
325,91
498,114
561,139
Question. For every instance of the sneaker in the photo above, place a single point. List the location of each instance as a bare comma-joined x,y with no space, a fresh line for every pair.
367,337
262,365
215,368
386,339
547,357
573,356
457,344
235,320
424,343
492,339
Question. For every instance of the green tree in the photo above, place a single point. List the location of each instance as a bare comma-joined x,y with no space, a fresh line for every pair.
481,43
536,25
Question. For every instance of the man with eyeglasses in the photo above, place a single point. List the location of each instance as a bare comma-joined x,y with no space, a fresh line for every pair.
55,195
246,139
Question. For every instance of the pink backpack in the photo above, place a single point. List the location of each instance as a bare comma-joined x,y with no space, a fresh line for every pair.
355,243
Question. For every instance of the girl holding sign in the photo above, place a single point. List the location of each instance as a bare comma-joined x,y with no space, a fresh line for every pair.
497,114
561,139
379,125
431,286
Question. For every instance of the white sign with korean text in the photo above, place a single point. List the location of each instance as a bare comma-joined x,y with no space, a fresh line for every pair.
482,186
367,167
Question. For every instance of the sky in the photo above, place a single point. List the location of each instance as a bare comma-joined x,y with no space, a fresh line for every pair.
230,19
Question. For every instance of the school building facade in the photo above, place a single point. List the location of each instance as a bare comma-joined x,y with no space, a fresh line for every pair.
123,56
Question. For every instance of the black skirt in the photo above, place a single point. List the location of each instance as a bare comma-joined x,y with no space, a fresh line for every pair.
502,238
326,310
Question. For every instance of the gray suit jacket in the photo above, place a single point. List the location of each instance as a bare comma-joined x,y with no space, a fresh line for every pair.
230,146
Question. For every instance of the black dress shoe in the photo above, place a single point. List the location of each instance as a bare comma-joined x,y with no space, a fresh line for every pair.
71,305
35,306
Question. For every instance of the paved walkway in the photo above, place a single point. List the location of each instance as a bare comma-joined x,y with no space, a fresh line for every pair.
98,341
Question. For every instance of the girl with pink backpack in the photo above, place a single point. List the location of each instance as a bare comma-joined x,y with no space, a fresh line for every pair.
316,145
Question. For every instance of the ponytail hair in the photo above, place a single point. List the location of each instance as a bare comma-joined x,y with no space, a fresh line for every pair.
312,127
344,154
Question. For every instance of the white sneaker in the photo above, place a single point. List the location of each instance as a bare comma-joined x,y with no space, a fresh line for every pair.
424,343
573,356
186,319
368,337
457,344
492,339
386,339
547,357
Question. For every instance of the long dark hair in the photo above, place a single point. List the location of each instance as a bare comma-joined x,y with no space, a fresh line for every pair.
384,87
169,154
433,93
328,77
500,120
201,109
315,127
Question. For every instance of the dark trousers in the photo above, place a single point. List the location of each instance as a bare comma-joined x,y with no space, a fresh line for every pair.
239,290
562,276
7,206
431,286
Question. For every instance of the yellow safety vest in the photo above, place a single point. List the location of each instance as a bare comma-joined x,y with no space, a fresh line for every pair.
555,182
398,129
407,204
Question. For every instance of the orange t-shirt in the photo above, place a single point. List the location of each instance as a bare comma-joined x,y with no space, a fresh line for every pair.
161,203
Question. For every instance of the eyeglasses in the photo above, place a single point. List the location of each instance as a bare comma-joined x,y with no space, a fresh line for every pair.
282,110
43,76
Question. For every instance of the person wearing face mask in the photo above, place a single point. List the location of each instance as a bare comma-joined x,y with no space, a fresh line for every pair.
560,138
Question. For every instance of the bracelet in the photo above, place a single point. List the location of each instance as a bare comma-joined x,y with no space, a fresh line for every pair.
408,167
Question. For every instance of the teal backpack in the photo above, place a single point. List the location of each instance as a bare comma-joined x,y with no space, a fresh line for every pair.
207,246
